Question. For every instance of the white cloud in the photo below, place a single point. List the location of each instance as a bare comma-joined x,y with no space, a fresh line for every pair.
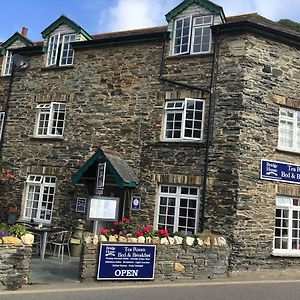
132,14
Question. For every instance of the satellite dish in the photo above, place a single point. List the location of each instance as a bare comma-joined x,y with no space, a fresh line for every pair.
19,61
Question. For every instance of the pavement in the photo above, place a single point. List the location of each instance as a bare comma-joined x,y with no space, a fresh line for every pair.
50,275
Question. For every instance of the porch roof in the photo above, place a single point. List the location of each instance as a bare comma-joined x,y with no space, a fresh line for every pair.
121,171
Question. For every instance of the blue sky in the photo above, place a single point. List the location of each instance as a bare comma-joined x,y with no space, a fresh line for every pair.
97,16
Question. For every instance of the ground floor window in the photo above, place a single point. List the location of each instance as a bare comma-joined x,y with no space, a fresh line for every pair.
287,225
39,198
177,208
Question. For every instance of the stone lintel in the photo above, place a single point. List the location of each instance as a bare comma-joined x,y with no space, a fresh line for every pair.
177,179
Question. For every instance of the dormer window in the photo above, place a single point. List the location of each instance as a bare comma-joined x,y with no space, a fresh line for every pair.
192,35
7,63
60,52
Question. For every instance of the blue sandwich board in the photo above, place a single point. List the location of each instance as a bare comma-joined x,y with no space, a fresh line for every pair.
126,262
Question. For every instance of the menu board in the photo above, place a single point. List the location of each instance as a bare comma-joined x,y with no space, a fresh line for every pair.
103,208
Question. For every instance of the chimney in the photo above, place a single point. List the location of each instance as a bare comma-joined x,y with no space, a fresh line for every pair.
24,31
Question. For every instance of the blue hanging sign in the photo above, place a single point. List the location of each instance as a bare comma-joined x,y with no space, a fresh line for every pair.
126,262
280,171
135,202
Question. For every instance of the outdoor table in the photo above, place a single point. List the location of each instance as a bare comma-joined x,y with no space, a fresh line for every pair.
43,231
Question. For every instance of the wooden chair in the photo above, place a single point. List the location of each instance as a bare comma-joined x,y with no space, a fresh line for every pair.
61,240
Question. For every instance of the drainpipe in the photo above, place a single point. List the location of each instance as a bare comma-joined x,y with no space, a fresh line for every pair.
210,117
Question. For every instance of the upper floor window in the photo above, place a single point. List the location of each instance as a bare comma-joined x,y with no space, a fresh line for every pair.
289,129
60,51
184,119
2,115
7,63
192,35
287,226
50,119
39,198
177,208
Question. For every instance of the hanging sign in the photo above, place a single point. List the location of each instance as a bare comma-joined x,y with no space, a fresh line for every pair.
279,171
135,202
126,262
100,178
81,205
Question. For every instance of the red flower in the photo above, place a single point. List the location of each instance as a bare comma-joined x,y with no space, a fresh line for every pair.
147,229
138,233
163,232
103,230
127,220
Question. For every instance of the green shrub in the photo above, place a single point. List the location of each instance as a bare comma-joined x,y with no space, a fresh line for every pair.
18,230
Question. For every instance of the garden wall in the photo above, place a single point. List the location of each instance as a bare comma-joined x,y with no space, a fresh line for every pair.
14,266
172,262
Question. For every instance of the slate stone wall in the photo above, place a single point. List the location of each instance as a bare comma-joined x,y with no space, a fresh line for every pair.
256,76
173,262
14,266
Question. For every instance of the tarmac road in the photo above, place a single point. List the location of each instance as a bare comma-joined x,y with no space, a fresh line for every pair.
212,290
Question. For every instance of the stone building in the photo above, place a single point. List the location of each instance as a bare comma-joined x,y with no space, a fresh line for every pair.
187,116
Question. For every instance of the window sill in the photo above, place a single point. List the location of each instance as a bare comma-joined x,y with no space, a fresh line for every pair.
182,56
287,254
56,68
180,143
47,138
291,151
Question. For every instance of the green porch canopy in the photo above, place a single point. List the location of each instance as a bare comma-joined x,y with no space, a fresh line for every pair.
122,172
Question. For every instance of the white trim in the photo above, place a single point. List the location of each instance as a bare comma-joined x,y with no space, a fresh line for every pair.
69,48
178,196
183,110
189,36
7,60
41,183
54,49
2,117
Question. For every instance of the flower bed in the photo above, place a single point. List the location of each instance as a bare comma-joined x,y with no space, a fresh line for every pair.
177,257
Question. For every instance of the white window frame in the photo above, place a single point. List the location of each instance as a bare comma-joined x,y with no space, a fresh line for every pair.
191,36
178,195
52,53
283,231
295,121
45,184
183,109
7,63
69,49
48,109
2,118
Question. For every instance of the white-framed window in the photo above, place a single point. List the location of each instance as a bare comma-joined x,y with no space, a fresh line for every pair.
289,129
177,208
60,51
184,119
287,226
50,119
39,198
2,116
192,35
7,63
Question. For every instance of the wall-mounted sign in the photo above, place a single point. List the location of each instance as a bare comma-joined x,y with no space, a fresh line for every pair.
280,171
126,262
135,202
100,178
103,208
80,205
